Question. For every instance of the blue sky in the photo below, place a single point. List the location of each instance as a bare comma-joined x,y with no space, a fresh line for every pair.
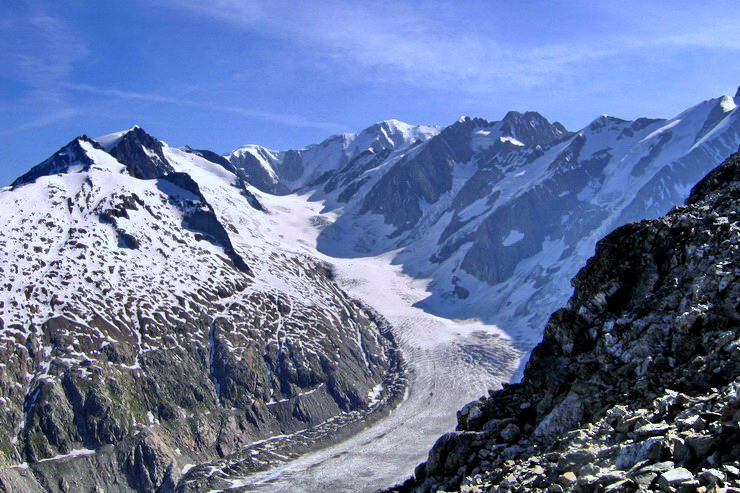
224,73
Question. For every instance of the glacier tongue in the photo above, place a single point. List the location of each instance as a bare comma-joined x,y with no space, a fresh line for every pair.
450,363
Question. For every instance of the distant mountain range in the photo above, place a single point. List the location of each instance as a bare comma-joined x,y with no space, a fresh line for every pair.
499,215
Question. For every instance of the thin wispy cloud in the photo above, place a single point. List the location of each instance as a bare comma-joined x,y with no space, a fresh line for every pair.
390,36
39,52
721,35
47,118
284,119
421,46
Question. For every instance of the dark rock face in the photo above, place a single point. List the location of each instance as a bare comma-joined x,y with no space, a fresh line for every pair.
199,215
426,175
531,128
722,177
253,172
636,383
423,176
61,161
142,155
242,179
120,210
292,165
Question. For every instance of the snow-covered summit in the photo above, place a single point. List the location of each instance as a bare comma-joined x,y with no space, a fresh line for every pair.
79,155
531,128
109,141
132,151
283,171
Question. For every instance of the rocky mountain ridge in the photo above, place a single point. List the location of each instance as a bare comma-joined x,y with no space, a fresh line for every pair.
636,383
281,172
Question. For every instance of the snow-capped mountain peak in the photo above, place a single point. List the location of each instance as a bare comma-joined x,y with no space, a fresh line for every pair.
78,155
531,128
727,103
109,141
140,152
393,133
480,205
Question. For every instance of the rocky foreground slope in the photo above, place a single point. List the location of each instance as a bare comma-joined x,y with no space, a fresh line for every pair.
636,384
